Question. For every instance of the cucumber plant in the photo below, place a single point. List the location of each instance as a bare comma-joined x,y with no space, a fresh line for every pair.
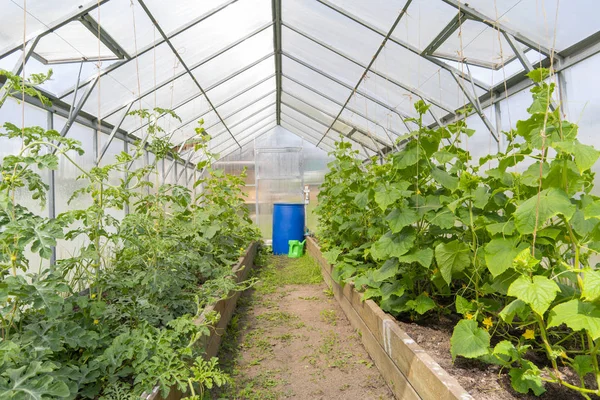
507,242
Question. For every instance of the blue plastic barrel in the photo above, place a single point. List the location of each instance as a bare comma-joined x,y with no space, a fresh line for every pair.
288,224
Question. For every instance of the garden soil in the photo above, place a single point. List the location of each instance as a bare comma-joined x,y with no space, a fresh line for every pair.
289,339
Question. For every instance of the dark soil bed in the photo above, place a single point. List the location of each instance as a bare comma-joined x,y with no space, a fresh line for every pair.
483,381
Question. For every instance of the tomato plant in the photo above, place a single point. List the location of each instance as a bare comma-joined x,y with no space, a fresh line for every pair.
510,248
119,315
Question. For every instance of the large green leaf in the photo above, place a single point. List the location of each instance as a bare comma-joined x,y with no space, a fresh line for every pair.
515,307
400,218
422,256
538,292
468,340
585,155
392,245
452,257
387,270
551,202
591,285
33,382
500,253
445,179
577,315
387,196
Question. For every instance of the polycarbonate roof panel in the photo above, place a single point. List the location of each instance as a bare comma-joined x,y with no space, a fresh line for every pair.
476,43
331,27
171,17
313,113
547,22
39,14
319,57
235,59
127,23
380,13
72,42
307,134
423,22
249,110
315,80
221,29
242,81
229,47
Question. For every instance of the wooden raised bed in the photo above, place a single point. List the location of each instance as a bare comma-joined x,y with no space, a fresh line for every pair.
408,370
225,308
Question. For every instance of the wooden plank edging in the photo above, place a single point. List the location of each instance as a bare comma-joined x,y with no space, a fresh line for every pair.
407,368
225,307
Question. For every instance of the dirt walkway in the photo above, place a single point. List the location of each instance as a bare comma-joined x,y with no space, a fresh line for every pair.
290,340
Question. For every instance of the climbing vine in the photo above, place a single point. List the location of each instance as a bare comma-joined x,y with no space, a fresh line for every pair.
508,241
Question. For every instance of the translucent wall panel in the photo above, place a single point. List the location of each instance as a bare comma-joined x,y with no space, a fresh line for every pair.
423,22
222,29
583,105
11,111
546,22
332,28
72,42
66,182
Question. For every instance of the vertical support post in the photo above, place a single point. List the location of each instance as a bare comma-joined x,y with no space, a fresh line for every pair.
276,8
562,93
256,212
51,190
498,115
126,150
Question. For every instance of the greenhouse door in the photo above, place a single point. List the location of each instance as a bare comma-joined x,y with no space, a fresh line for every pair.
279,179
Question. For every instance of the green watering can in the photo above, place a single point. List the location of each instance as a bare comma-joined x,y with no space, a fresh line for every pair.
296,248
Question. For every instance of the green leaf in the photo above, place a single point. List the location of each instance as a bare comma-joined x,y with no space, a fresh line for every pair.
392,245
443,156
443,218
362,199
585,156
591,285
468,340
422,256
386,196
515,307
392,289
583,365
577,315
463,305
551,202
332,255
452,257
421,304
503,228
527,378
445,179
389,269
400,218
33,382
499,254
538,293
524,260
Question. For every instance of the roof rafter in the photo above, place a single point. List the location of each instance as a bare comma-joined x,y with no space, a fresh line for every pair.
182,62
381,46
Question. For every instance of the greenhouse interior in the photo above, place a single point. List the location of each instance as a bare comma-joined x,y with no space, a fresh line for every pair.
307,199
